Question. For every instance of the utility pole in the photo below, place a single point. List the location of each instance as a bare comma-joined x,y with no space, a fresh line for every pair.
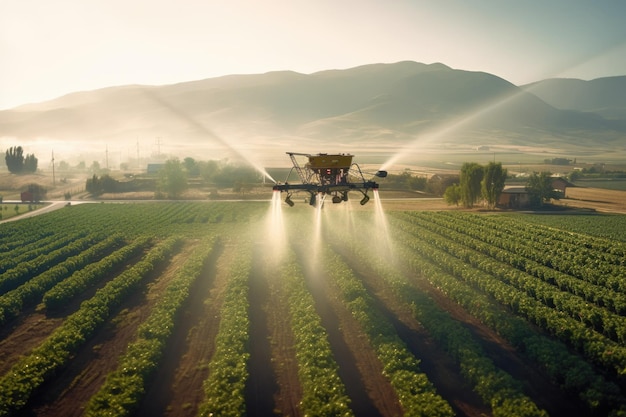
107,156
53,176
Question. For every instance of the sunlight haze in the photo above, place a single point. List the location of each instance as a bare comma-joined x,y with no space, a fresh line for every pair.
49,49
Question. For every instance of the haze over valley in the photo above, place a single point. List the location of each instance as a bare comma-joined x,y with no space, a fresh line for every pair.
119,82
371,110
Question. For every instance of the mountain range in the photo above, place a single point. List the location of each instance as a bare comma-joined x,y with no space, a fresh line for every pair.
367,107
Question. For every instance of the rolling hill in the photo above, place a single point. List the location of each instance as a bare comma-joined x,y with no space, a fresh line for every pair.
378,105
603,96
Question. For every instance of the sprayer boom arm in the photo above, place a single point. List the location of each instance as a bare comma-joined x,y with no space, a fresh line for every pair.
328,175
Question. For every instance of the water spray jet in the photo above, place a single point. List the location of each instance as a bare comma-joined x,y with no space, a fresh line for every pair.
453,125
275,236
208,132
383,237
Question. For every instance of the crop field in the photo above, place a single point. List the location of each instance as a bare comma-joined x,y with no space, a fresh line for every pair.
258,309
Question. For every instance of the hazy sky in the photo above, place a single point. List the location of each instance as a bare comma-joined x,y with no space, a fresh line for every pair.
52,47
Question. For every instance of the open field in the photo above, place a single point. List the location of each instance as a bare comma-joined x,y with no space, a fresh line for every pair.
10,210
596,198
182,309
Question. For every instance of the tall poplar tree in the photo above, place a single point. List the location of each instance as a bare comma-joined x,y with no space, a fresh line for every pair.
17,163
470,179
493,183
14,157
30,163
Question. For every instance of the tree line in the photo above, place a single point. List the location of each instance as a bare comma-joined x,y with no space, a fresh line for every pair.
173,177
18,163
476,181
486,183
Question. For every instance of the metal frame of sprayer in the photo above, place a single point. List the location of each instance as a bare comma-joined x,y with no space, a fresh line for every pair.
325,175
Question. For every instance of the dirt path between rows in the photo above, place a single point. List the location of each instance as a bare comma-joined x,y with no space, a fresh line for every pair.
282,344
23,335
360,369
536,383
441,370
35,324
68,393
262,386
177,389
178,384
436,364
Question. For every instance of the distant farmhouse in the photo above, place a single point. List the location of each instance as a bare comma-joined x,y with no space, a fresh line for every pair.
154,169
516,196
27,197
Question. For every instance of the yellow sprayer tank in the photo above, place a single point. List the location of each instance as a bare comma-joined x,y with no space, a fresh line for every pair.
323,161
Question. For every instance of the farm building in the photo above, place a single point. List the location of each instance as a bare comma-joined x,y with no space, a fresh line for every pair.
560,184
514,196
27,197
154,169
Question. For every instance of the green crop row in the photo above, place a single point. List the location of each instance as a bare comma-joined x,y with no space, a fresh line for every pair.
224,389
29,230
14,277
59,295
571,258
593,345
554,289
496,387
568,370
576,254
416,393
125,386
610,229
29,293
18,237
609,250
58,222
543,261
130,219
33,369
11,258
323,392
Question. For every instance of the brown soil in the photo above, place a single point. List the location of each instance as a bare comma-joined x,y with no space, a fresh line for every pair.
34,325
70,391
609,201
263,387
536,384
359,367
177,389
273,387
439,367
24,334
282,345
601,200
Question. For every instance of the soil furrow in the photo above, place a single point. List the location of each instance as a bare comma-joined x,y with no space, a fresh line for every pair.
177,384
439,367
262,385
68,393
